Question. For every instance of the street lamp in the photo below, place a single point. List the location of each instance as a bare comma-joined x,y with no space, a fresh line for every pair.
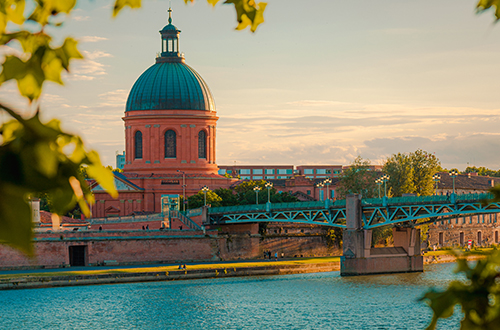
320,186
183,190
268,185
436,177
205,189
384,179
379,183
327,182
453,174
256,189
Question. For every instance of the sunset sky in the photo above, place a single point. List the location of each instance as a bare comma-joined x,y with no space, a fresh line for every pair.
320,82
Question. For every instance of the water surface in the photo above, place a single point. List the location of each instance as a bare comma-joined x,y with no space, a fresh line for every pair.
305,301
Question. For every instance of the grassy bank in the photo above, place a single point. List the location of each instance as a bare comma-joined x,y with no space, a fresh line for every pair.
211,266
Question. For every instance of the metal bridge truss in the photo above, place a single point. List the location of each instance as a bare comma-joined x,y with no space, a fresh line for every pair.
375,213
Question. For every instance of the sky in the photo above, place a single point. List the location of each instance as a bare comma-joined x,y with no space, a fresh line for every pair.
320,82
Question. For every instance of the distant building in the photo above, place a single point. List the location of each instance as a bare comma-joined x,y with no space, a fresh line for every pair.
120,160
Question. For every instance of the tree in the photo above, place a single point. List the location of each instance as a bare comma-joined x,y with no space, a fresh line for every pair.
39,158
227,196
483,171
198,200
478,297
358,179
412,173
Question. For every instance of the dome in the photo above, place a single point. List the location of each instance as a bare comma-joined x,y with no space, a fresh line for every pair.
170,28
170,86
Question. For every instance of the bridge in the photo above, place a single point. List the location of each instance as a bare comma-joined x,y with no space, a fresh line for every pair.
358,217
409,211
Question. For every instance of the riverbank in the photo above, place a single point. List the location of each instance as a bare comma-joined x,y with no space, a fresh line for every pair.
168,273
59,278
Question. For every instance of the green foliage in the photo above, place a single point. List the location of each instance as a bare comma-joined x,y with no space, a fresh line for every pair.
382,236
412,173
248,12
227,196
334,237
358,179
198,200
483,5
478,296
483,171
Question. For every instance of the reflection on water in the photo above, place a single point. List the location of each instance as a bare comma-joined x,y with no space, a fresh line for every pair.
306,301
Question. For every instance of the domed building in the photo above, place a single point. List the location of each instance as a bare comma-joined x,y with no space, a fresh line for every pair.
170,129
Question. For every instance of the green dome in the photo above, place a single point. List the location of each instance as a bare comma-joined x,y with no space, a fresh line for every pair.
170,86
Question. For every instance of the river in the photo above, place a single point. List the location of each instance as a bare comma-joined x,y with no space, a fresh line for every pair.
305,301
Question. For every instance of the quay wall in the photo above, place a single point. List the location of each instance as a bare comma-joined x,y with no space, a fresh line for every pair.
134,247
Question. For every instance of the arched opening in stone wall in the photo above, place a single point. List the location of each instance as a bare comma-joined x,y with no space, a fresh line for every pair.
462,239
479,238
441,239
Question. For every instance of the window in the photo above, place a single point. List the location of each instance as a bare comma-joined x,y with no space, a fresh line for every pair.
479,238
257,171
285,171
283,177
229,171
138,145
462,239
269,177
308,171
269,171
244,171
321,171
441,241
259,177
245,178
170,144
496,237
202,144
222,171
308,192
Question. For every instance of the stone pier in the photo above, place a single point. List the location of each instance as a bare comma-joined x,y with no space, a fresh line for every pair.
359,258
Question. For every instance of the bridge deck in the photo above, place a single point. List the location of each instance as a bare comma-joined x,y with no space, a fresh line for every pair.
376,212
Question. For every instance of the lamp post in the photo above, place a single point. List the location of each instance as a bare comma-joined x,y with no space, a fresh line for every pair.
327,182
379,183
269,185
205,189
183,190
384,179
256,189
436,177
320,186
453,174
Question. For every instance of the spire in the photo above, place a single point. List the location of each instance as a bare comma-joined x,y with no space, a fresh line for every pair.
170,42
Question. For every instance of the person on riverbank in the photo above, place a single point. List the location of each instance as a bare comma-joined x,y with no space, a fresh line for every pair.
276,256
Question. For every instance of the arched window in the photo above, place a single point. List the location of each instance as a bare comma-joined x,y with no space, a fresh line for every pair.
138,145
202,144
170,144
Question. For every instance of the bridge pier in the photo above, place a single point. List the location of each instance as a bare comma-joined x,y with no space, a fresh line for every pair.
359,258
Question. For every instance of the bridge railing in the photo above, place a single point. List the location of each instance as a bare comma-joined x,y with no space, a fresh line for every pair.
192,212
341,203
428,199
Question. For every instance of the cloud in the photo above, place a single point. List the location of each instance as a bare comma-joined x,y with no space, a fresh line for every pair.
92,39
87,70
96,54
116,98
317,103
81,18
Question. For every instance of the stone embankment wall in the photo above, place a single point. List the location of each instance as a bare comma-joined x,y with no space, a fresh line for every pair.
52,250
